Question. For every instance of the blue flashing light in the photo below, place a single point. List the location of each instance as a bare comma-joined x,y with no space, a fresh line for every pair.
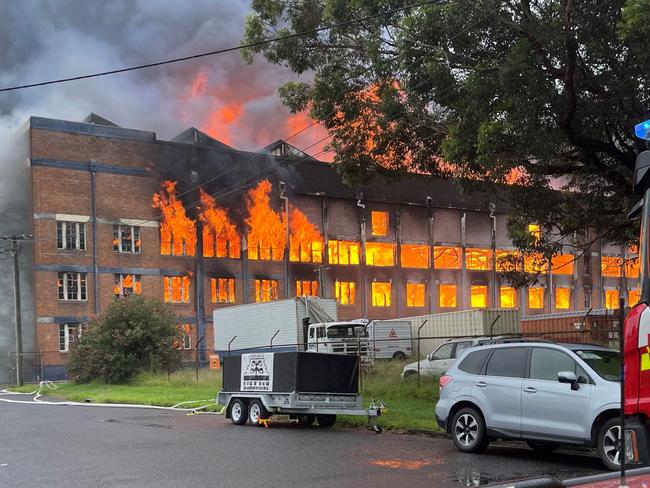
642,130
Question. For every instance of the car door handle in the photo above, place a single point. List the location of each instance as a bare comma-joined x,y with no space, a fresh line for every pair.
481,384
530,389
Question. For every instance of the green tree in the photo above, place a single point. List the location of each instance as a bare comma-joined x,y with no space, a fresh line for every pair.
543,93
133,334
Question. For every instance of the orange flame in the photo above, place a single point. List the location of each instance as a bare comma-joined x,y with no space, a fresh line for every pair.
219,229
267,235
177,230
305,241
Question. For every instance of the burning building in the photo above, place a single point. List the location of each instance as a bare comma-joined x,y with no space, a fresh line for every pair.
202,225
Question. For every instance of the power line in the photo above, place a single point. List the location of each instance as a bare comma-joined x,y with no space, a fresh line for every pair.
218,51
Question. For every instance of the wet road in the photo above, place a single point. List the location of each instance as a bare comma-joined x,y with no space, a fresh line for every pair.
74,446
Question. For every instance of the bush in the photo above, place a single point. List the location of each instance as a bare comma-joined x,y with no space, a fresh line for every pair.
132,335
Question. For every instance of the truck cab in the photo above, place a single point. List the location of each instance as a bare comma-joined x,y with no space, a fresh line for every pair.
338,337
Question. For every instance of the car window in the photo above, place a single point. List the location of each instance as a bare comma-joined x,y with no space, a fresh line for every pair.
444,351
473,362
546,363
507,361
461,346
605,363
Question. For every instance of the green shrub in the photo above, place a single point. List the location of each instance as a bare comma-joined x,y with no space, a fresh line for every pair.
132,335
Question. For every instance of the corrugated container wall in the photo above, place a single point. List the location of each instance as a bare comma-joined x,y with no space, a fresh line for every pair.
462,324
595,326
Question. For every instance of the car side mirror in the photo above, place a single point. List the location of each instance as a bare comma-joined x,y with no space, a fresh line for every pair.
568,377
430,356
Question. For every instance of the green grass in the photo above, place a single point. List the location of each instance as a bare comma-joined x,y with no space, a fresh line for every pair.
407,406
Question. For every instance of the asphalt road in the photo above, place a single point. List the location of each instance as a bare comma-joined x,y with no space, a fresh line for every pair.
75,446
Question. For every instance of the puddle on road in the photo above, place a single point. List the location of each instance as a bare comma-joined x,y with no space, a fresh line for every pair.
472,478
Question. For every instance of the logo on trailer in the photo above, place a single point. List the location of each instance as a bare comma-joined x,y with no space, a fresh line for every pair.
257,372
392,334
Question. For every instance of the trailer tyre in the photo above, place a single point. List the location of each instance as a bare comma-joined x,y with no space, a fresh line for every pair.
326,420
306,419
238,411
256,412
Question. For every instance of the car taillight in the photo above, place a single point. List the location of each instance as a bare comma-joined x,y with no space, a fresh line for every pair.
444,381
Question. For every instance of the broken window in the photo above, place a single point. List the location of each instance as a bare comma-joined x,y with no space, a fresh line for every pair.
345,292
562,264
126,239
379,223
381,294
305,241
445,257
69,335
478,259
562,298
611,266
633,297
536,297
343,252
415,294
72,286
611,299
266,290
222,290
508,261
414,256
177,230
176,289
535,263
221,245
508,297
478,296
126,284
187,336
447,296
380,254
71,236
306,288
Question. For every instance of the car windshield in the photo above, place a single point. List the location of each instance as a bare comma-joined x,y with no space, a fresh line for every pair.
347,330
605,363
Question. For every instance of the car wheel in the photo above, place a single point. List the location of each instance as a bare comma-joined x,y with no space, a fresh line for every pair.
399,355
257,412
409,373
468,431
609,440
326,420
542,447
238,411
306,419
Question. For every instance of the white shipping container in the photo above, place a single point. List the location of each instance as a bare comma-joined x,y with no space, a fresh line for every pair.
391,339
461,324
253,325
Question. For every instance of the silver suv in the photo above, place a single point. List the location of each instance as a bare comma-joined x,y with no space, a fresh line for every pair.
544,393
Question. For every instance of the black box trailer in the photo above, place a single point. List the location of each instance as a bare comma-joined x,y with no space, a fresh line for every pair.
306,386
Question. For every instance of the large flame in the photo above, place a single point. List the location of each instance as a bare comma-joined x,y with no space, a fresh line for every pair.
218,229
267,235
177,230
305,241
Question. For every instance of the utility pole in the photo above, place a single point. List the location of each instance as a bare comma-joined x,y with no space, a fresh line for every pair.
15,251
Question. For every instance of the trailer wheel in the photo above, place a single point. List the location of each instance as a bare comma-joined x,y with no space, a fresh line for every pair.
306,419
399,355
238,411
326,420
256,411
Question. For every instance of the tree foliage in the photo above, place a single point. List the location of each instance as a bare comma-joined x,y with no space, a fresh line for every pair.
132,335
541,93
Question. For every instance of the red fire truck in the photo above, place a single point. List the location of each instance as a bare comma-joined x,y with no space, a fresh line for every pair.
636,343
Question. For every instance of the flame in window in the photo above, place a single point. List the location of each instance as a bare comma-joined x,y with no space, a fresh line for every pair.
218,229
381,294
535,231
508,261
536,297
414,256
611,299
380,254
633,297
222,290
176,289
415,294
177,230
345,292
562,264
447,296
266,290
306,288
379,223
305,241
562,298
478,259
343,252
535,263
478,296
508,297
611,266
632,264
267,235
446,257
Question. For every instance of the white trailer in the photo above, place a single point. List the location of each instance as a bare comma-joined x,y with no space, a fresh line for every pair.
390,339
276,325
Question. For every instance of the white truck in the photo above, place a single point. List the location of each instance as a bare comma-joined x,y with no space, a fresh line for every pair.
296,324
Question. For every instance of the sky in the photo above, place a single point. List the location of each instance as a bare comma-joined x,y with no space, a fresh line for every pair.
221,95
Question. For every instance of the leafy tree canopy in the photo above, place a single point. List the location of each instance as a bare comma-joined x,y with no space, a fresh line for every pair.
541,93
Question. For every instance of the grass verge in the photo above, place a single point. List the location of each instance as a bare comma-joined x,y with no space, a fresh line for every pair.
408,407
